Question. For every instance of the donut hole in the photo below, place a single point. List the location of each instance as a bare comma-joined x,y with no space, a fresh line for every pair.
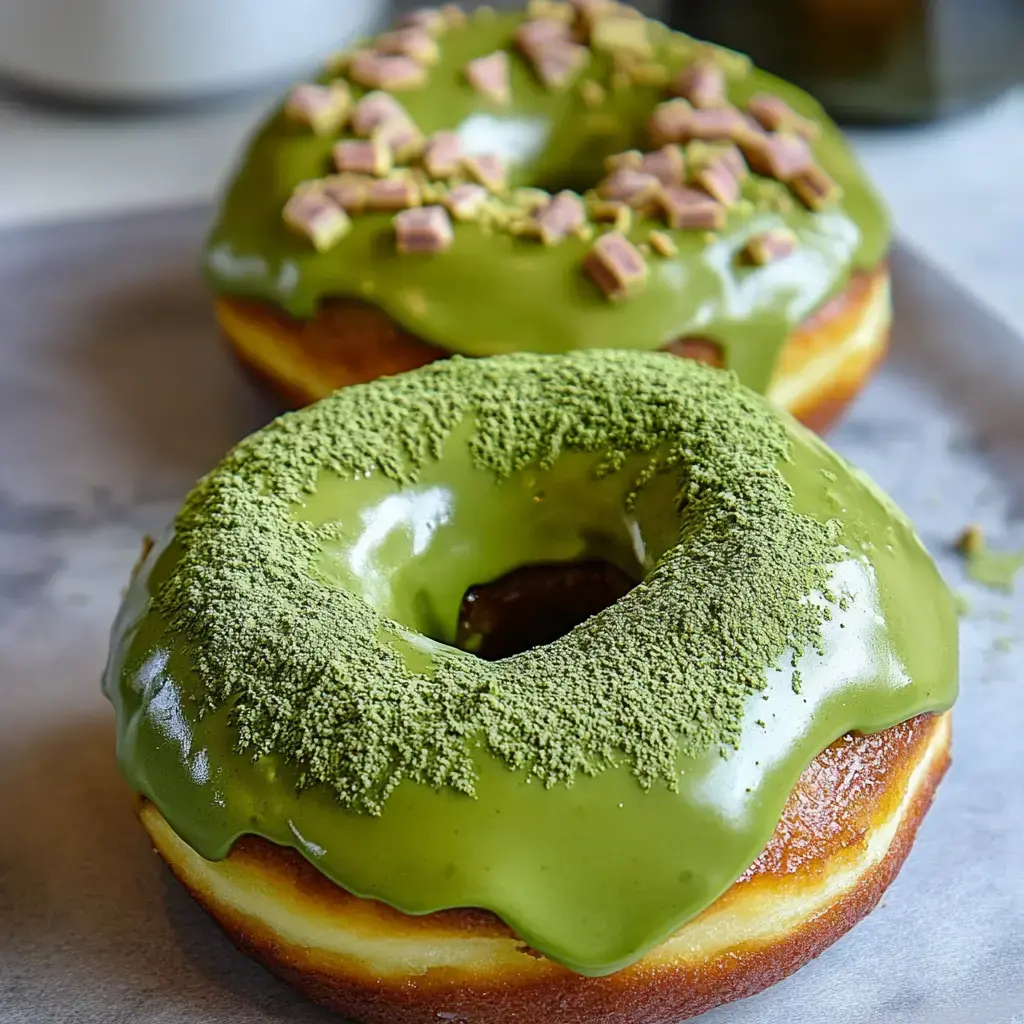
493,566
535,605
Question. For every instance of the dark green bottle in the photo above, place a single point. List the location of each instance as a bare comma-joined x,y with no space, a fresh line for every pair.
873,60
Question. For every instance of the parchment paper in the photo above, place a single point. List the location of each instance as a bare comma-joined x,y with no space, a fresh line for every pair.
115,394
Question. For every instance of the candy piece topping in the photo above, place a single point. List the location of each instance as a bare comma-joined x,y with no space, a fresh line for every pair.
392,194
666,164
362,157
616,266
716,123
670,122
465,202
781,156
322,107
721,172
489,76
313,214
442,157
386,71
690,208
815,188
402,138
775,114
429,19
702,83
412,42
488,169
347,190
425,229
770,246
376,109
617,34
558,64
564,215
634,188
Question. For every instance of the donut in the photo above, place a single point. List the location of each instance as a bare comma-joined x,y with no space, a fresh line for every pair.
535,687
565,177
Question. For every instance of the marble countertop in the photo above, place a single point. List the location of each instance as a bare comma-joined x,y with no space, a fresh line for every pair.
954,186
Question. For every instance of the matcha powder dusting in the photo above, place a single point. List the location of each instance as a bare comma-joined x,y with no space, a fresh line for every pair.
307,667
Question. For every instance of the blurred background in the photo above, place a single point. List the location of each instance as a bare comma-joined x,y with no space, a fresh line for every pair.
113,105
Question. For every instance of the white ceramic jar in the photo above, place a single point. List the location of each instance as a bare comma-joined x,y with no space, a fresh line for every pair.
157,50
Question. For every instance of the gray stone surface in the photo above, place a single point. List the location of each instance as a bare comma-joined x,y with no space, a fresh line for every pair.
115,395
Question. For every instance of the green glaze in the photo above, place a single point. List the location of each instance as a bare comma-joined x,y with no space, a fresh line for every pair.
493,293
594,874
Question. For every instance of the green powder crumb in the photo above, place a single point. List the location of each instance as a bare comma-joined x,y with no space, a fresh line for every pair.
798,682
986,565
962,604
306,666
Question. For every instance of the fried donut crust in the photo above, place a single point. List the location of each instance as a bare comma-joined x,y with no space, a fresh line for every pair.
823,364
843,836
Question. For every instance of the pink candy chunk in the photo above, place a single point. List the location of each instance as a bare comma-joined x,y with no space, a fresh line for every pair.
488,170
429,19
347,190
558,64
320,219
386,71
562,216
374,110
392,194
770,246
489,76
692,209
781,156
464,202
670,122
424,230
533,36
442,157
322,107
666,164
774,113
414,43
616,266
703,84
362,157
628,186
716,124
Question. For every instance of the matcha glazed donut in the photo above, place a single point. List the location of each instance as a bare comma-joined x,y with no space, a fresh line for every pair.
675,803
572,176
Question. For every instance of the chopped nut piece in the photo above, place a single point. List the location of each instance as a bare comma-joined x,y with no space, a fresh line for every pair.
691,209
558,64
775,114
623,220
489,76
815,188
488,169
563,216
590,12
781,156
347,190
403,139
465,201
666,164
735,65
631,158
770,246
617,34
703,84
634,188
362,157
322,107
318,217
670,122
592,93
392,194
429,19
426,229
376,109
412,42
616,266
662,244
386,71
604,210
971,540
442,156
